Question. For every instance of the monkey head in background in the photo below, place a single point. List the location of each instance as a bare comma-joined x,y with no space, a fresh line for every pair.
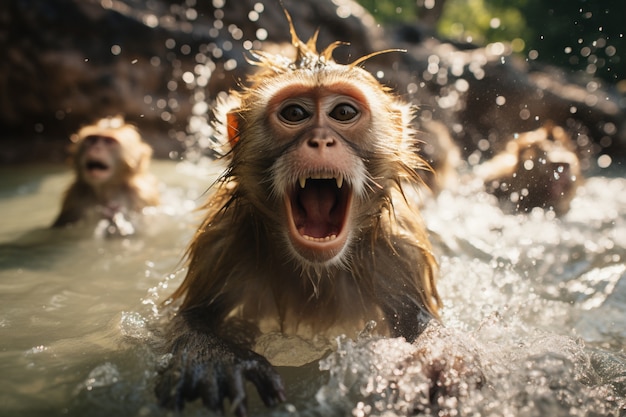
537,169
308,232
112,182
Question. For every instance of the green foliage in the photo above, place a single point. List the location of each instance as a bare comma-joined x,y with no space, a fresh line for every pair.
482,21
584,35
389,11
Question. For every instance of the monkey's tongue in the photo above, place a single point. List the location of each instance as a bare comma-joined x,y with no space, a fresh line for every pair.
319,215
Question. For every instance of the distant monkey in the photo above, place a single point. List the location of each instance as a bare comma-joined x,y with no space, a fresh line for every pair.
110,163
308,232
536,169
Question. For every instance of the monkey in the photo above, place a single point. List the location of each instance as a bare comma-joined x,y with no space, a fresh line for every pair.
441,153
538,168
110,162
308,232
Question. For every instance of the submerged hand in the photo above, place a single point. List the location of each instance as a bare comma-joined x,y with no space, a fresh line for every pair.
450,362
211,369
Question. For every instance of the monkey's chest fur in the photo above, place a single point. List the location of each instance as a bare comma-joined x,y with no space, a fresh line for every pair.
240,269
300,315
306,302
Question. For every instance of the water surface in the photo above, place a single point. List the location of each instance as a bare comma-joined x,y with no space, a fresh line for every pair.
541,300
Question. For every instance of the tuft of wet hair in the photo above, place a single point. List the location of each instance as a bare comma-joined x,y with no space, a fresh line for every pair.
307,55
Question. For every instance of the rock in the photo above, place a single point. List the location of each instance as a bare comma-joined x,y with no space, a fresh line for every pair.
66,63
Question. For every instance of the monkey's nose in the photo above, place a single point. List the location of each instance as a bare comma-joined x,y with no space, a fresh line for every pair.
321,142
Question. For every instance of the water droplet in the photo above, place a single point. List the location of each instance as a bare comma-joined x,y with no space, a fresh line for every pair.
461,85
585,51
191,14
261,34
604,161
524,114
188,77
151,20
253,16
230,65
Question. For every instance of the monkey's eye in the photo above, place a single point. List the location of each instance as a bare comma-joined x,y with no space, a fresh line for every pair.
343,112
293,113
93,139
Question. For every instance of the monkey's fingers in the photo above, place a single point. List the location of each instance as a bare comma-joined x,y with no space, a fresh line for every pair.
170,389
267,381
237,393
211,393
184,380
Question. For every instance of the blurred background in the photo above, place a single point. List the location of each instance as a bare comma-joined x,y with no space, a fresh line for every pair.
484,68
579,36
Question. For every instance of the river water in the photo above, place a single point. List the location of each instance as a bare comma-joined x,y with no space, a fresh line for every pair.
541,300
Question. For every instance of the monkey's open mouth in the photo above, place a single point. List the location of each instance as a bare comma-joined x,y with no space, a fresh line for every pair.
96,170
317,211
94,165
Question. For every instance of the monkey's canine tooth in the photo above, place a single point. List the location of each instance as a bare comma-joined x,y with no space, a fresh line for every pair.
302,181
339,179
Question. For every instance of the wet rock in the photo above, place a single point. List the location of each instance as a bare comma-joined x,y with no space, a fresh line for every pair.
66,63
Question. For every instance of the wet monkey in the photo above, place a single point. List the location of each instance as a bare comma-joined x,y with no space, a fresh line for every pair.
110,162
536,169
308,231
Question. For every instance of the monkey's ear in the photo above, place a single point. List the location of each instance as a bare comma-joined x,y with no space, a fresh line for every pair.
232,128
401,117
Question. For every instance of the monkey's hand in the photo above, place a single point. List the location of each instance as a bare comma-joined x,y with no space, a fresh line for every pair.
207,367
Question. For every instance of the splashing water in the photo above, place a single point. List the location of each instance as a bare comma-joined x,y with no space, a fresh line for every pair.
538,302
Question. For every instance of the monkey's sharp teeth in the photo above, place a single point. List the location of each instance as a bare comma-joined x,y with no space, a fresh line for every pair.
321,176
320,239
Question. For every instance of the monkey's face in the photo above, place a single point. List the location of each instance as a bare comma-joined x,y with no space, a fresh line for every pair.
316,151
547,171
319,176
98,159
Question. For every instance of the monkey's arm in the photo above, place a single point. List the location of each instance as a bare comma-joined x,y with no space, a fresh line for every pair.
204,365
72,210
66,217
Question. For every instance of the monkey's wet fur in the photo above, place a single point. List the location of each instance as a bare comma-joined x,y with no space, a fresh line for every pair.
308,232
